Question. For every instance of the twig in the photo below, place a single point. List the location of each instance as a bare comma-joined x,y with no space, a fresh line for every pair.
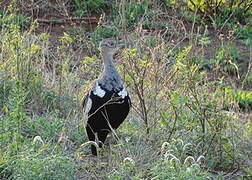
175,122
67,20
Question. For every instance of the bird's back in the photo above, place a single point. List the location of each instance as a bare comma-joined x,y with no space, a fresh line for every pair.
104,93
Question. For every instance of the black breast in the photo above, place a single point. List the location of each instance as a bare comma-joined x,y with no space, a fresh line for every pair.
110,108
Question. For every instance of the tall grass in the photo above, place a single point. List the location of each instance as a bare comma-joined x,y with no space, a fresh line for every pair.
185,122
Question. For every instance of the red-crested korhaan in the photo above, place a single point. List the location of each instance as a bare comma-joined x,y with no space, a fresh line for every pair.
107,102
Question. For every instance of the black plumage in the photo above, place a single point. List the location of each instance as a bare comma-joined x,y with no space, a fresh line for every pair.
107,103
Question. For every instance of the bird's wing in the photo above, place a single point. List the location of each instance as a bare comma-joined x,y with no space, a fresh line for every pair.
86,102
85,93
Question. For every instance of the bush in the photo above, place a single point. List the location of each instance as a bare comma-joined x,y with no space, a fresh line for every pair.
30,164
84,8
103,32
242,98
8,17
248,80
132,13
175,164
217,12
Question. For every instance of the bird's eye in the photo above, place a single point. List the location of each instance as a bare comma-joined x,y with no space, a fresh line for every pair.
111,44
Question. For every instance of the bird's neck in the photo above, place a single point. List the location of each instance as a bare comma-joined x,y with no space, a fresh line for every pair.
109,78
108,64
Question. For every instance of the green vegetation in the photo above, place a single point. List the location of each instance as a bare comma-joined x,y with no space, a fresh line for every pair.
187,67
243,98
218,12
19,19
89,6
103,32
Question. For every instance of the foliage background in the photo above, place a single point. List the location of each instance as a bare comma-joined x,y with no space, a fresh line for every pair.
187,68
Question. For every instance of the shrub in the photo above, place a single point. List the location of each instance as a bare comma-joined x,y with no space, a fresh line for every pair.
132,12
38,165
101,33
175,164
219,12
243,98
248,80
89,6
9,17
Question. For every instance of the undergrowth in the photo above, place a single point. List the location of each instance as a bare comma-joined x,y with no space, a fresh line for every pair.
190,102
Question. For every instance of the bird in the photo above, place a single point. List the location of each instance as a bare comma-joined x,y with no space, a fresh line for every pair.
107,102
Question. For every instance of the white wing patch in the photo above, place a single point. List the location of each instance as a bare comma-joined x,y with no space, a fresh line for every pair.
98,91
123,93
88,106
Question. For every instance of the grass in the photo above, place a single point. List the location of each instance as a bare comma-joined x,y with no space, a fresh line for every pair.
190,89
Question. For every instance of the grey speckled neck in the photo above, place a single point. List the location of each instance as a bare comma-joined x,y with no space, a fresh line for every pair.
110,79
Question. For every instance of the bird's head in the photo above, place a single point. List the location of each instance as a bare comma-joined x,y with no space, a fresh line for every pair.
111,45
